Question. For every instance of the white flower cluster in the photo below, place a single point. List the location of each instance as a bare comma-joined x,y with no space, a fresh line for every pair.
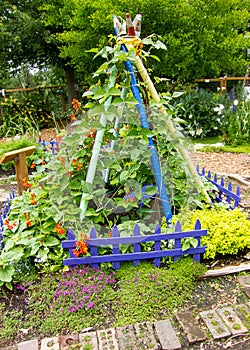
219,109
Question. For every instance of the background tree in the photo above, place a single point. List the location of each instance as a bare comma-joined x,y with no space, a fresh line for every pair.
203,38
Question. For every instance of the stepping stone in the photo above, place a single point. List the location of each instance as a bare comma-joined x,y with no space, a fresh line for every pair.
244,281
145,335
107,339
214,324
231,320
167,335
28,345
246,290
191,327
126,337
243,312
50,344
88,341
67,341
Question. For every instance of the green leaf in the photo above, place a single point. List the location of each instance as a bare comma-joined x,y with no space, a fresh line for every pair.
99,94
185,245
6,273
124,175
155,57
42,253
13,255
177,94
151,190
114,91
50,241
9,285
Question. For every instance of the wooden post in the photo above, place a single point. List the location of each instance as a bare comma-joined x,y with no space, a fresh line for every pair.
19,157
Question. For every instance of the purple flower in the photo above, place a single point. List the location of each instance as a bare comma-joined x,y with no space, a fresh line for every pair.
20,287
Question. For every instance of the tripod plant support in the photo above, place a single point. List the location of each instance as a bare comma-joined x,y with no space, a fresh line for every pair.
144,123
96,149
127,43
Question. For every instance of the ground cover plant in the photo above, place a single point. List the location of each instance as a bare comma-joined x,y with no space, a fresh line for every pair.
86,297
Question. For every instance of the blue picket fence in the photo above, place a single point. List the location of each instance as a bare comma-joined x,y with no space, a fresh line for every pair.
224,194
115,241
52,145
4,213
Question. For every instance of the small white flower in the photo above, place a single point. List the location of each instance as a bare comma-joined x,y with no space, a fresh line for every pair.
236,102
221,107
216,109
190,116
199,131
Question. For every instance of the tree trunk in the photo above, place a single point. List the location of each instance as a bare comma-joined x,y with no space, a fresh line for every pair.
72,88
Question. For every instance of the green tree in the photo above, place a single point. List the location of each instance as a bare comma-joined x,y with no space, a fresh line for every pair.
204,38
27,42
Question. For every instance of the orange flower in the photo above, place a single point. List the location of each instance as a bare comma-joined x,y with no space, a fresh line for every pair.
29,223
81,248
26,183
59,229
33,165
72,117
79,166
74,162
43,162
6,222
91,133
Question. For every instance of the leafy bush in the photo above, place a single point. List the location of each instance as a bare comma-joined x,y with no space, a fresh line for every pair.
237,130
203,112
29,112
228,230
12,145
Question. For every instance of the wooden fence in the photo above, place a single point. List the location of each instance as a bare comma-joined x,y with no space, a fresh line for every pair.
115,241
224,194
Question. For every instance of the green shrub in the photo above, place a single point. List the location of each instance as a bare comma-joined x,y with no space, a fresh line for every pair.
203,113
228,230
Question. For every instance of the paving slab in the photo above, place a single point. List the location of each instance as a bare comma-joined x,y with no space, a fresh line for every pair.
88,340
191,327
246,290
231,320
244,281
166,335
50,344
127,338
145,335
243,311
29,345
67,341
107,339
215,324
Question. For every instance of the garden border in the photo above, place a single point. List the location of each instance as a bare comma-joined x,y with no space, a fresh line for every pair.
137,255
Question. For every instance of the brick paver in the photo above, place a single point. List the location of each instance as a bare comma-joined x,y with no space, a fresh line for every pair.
50,344
107,339
88,340
232,321
29,345
190,326
220,323
167,335
215,324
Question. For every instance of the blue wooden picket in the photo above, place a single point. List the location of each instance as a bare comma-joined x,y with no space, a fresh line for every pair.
225,194
135,240
4,213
